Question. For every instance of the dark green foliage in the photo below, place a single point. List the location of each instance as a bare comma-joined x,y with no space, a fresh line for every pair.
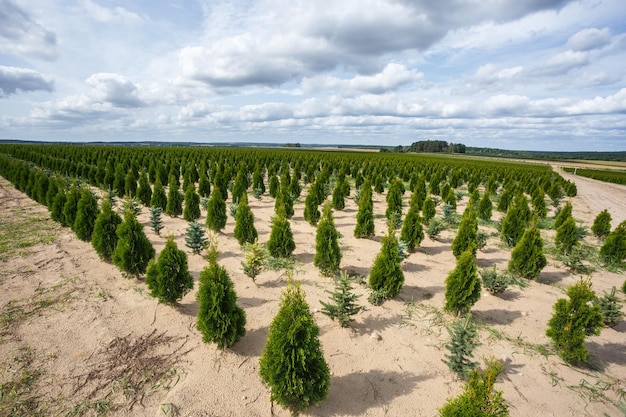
144,192
342,305
602,224
216,211
311,203
327,252
281,243
539,203
245,232
463,340
133,250
71,206
220,320
204,185
292,364
610,307
56,212
564,214
156,223
195,239
573,320
505,200
435,227
428,210
485,207
394,199
191,212
86,214
174,205
274,185
624,287
255,257
104,238
130,184
479,399
494,282
339,202
365,215
527,258
566,236
239,187
386,273
462,285
168,278
514,223
466,238
412,232
159,198
613,251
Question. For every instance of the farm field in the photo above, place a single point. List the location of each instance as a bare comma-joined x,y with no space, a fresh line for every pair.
77,337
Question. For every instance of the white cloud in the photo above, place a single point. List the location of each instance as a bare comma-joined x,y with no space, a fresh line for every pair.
561,63
114,89
13,79
110,15
21,34
588,39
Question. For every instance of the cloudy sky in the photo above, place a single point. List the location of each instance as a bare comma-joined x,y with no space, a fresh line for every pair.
511,74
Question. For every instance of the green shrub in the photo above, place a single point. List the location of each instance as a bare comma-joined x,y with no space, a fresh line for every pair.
566,236
386,273
527,258
144,192
174,206
71,206
195,238
104,238
435,227
463,340
562,215
292,364
412,232
159,198
244,232
86,213
365,216
573,320
462,285
220,320
467,235
377,297
485,208
327,252
342,305
610,307
613,251
255,258
156,222
428,210
133,250
216,211
168,278
602,224
191,213
281,243
493,281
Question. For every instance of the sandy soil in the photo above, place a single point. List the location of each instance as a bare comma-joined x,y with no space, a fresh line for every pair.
73,311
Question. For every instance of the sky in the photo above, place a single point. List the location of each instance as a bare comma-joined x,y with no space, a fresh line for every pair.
545,75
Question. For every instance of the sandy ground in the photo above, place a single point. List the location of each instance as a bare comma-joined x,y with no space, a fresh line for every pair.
65,312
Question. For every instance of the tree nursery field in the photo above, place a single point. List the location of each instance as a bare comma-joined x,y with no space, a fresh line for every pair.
174,281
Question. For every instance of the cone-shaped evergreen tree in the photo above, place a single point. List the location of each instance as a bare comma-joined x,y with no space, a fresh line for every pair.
563,215
104,238
463,340
255,257
244,223
159,198
610,307
602,224
573,320
386,274
191,212
130,184
394,199
485,207
613,251
566,237
220,320
274,185
327,251
412,232
144,192
513,226
539,203
86,214
467,235
216,211
56,213
428,210
281,243
71,206
311,203
156,223
462,284
339,202
257,179
174,205
168,277
527,258
133,250
342,305
195,239
292,364
505,200
365,216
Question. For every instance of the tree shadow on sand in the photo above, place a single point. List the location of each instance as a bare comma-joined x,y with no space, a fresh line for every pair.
602,354
354,394
375,323
252,343
496,316
418,293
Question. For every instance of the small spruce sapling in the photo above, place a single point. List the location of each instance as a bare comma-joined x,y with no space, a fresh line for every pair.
292,364
156,222
195,238
610,307
463,340
168,277
342,305
602,224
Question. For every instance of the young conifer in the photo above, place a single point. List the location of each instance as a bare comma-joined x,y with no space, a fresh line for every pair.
195,238
174,205
204,185
610,307
168,277
274,185
527,258
573,320
56,213
86,213
191,212
386,274
428,210
412,232
281,243
71,206
339,202
394,199
144,192
159,198
133,250
156,222
566,236
104,238
327,251
468,233
216,211
485,208
342,304
463,340
539,203
365,216
613,251
563,215
602,224
311,203
513,226
255,257
220,320
292,364
462,284
245,232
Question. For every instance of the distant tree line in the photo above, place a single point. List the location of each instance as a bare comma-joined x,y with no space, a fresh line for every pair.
433,146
